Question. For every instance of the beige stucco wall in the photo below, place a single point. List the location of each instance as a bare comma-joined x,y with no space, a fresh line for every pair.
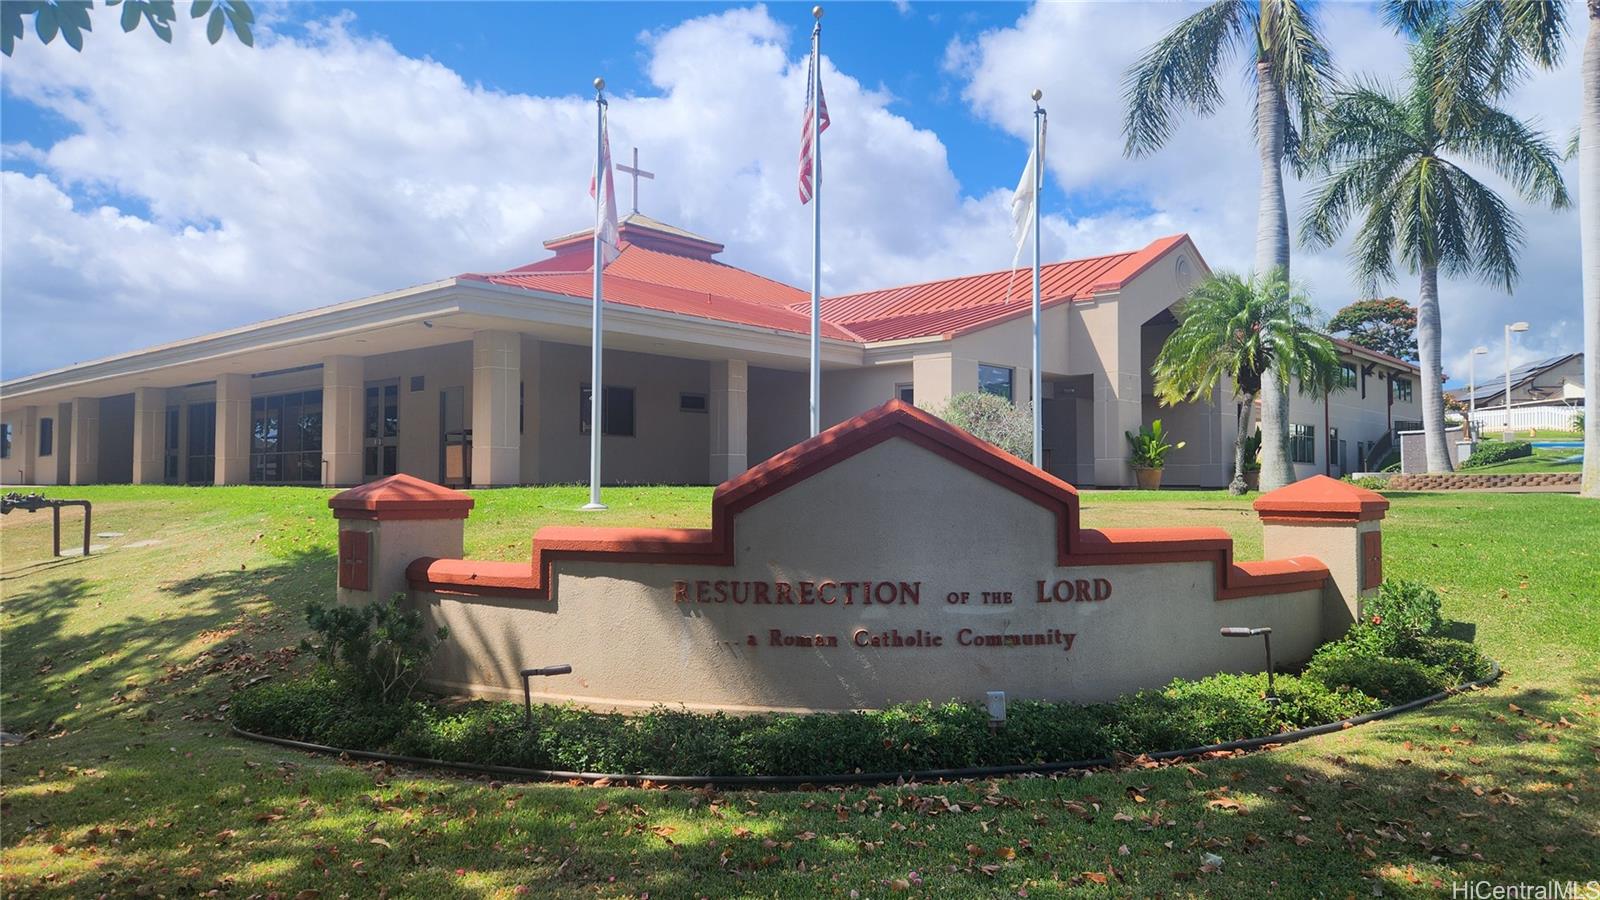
779,411
896,512
851,392
1356,418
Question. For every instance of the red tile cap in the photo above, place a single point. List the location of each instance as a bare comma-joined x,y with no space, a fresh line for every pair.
400,497
1321,499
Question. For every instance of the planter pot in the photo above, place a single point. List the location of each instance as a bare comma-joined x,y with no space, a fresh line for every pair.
1148,479
1252,480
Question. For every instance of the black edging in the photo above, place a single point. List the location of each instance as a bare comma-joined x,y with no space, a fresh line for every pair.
1287,737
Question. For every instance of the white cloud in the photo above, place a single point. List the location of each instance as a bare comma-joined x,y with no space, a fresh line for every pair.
207,186
1204,181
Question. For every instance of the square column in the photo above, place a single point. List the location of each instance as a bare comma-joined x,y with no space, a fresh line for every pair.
85,452
233,429
1338,523
343,378
730,418
149,435
24,447
496,390
1116,411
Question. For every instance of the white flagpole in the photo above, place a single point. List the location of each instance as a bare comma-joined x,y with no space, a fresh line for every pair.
596,391
1038,185
816,223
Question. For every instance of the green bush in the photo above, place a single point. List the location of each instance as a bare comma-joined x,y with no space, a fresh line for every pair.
992,418
1362,667
1402,613
382,648
322,708
1370,482
1459,660
1490,452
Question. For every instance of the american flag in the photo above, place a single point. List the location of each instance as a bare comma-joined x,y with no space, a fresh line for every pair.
606,211
805,131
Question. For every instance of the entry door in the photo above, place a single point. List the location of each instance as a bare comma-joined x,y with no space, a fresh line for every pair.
381,437
455,440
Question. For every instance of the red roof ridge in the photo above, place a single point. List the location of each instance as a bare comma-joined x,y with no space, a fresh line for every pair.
1138,261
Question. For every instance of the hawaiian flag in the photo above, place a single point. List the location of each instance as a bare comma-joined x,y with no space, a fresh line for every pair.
605,226
806,155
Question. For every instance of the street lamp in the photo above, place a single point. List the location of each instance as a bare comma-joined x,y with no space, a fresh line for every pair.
1472,387
1505,433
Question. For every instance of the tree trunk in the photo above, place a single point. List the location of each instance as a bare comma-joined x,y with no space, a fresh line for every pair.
1272,255
1589,228
1438,454
1246,410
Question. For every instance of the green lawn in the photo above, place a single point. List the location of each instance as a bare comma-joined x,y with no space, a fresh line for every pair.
122,664
1542,460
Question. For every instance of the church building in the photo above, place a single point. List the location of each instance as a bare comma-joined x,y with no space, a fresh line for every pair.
481,379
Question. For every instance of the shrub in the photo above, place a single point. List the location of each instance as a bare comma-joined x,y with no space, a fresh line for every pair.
992,418
1459,660
383,648
1402,613
320,708
1150,446
1370,482
1362,667
1490,452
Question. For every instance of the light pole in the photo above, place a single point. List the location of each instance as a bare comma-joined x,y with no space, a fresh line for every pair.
1505,433
1472,388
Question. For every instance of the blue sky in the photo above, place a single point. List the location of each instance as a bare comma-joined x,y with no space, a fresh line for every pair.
172,190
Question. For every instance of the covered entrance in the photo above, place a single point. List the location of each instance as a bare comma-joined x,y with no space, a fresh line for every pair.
380,447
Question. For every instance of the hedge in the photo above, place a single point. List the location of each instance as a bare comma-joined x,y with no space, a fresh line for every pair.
1490,452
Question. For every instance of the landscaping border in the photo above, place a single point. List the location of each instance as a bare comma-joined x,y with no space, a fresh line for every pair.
1254,743
1478,481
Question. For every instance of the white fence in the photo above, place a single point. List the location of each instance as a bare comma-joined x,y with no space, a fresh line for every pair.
1545,417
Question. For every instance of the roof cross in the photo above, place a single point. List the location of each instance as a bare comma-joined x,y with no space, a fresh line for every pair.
637,174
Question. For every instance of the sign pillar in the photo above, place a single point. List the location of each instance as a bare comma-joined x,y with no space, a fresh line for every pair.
385,524
1338,523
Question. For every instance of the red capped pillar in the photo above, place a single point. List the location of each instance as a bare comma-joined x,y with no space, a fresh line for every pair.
385,524
1338,523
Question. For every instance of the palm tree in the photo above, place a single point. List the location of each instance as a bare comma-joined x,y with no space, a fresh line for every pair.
1589,227
1249,332
1387,157
1291,72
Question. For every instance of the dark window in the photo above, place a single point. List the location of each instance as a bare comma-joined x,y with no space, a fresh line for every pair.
906,393
170,446
1347,375
997,380
417,383
202,441
1402,389
616,408
1303,443
286,438
47,437
692,403
5,440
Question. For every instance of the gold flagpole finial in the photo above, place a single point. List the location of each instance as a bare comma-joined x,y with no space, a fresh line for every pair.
1037,95
599,84
816,12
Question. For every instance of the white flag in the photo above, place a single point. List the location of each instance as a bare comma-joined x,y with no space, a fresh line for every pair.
606,215
1022,205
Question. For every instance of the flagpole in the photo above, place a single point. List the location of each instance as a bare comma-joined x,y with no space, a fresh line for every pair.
816,223
596,390
1038,185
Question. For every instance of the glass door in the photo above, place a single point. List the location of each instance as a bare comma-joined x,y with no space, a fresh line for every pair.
455,439
381,436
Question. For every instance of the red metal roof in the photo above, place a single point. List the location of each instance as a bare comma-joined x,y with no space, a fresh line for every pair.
652,278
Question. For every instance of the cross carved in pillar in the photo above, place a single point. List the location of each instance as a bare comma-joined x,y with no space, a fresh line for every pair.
637,174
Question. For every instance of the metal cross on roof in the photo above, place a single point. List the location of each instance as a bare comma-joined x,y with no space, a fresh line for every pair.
637,174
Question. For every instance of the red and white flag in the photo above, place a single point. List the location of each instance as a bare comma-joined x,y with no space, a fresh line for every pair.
605,225
806,155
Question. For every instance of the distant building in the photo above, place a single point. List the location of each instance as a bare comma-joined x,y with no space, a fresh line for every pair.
482,379
1558,379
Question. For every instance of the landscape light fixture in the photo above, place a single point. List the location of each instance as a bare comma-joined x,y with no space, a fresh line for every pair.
995,701
1472,387
1505,433
527,690
1266,635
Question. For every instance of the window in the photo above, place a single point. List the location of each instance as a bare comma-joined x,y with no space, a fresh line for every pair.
202,441
1303,443
616,408
1347,375
418,384
906,393
170,445
47,437
695,403
5,440
286,438
996,380
1402,389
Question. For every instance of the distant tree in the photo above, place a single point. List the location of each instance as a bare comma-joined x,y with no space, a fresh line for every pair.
70,19
991,418
1244,333
1388,326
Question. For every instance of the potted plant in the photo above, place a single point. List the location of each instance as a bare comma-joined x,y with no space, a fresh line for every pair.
1252,461
1150,449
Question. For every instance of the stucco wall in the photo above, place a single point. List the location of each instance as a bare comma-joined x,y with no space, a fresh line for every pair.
779,404
851,392
896,512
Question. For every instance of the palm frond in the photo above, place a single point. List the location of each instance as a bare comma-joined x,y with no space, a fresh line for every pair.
1516,152
1289,38
1493,232
1180,72
1412,17
1491,44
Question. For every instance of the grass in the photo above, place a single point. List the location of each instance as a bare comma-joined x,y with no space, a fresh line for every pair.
1542,460
122,664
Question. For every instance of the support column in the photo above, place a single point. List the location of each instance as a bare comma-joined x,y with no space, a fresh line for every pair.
24,447
532,411
149,435
233,429
1116,411
85,452
496,382
343,378
730,418
1338,523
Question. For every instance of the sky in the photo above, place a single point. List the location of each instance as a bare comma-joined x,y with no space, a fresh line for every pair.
152,192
